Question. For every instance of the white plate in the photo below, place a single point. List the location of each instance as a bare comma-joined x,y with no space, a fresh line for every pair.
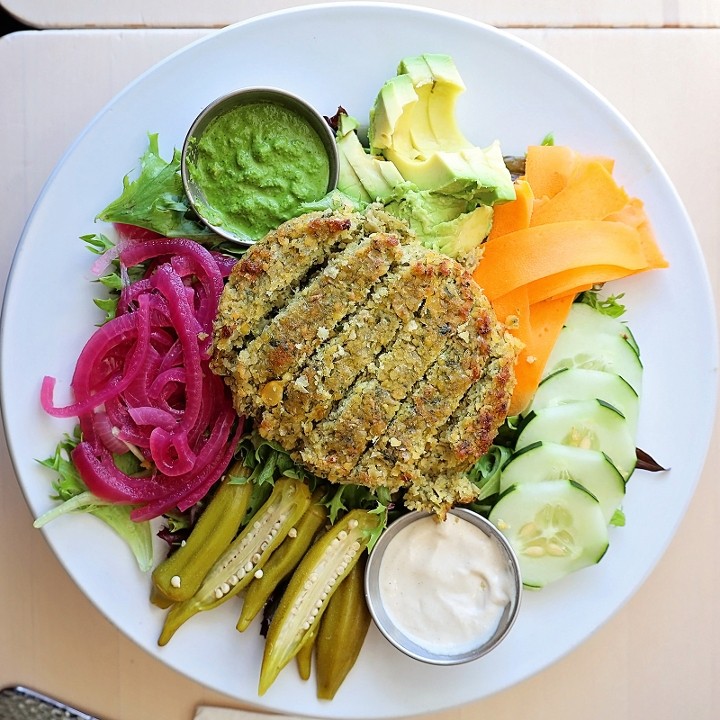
340,55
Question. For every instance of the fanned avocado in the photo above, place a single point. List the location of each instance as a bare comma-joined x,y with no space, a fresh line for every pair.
419,164
413,124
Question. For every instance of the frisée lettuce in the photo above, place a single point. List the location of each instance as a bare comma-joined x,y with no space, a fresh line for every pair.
73,496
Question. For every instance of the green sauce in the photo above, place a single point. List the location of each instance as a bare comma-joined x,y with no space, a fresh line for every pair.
256,165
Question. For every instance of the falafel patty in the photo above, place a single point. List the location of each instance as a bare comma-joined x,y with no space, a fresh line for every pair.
367,357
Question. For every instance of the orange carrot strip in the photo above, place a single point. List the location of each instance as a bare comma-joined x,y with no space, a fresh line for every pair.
546,320
548,168
590,194
574,280
511,309
633,214
514,215
524,256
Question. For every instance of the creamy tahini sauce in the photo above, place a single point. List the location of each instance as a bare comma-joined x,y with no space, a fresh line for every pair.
445,585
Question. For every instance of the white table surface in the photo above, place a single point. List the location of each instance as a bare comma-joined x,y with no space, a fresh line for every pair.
656,658
507,13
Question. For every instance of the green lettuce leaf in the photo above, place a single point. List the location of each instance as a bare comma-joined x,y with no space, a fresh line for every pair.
156,199
485,475
115,278
607,306
73,496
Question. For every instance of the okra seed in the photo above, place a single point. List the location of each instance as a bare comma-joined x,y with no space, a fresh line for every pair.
353,524
264,545
256,559
234,580
175,581
248,567
225,587
218,593
342,535
292,532
258,573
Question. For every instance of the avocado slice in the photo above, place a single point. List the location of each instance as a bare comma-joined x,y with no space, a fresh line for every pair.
363,176
438,84
389,114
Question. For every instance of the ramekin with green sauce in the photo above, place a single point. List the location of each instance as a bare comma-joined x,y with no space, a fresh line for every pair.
253,157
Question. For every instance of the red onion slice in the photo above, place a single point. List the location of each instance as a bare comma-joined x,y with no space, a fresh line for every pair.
143,381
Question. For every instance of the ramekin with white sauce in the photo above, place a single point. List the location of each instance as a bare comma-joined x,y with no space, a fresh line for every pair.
443,591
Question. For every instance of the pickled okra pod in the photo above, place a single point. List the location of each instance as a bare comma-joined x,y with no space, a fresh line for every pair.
245,556
283,561
342,632
179,576
311,586
303,658
159,599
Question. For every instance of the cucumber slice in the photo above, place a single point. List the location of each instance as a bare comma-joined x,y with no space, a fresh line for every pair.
573,384
551,461
582,316
587,424
555,527
583,348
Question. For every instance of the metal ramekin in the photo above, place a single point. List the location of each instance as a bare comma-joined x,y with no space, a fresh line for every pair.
244,96
395,635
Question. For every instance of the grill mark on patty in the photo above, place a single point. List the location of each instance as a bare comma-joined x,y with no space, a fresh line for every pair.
471,429
345,357
334,446
306,321
269,274
440,481
394,458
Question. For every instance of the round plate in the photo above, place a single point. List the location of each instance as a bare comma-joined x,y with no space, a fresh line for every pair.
340,55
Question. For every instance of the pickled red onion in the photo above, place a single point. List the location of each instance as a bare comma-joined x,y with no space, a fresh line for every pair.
143,381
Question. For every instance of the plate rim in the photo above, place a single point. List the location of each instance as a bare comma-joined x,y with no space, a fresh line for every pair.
22,245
